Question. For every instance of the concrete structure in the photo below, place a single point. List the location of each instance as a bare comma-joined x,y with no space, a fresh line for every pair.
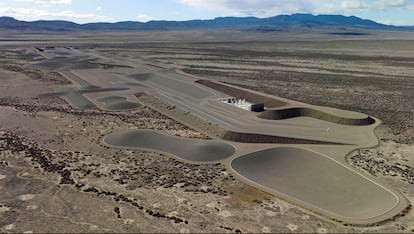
313,173
245,105
259,107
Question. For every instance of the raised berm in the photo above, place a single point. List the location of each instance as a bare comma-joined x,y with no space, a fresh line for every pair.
281,114
194,150
318,183
312,113
115,103
260,138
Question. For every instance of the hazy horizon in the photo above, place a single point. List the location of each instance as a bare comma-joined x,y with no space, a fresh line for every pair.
391,12
82,23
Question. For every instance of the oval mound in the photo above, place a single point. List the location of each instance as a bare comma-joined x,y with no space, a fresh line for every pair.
194,150
317,182
313,113
115,103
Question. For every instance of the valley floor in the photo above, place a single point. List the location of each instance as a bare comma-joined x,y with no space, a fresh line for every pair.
54,168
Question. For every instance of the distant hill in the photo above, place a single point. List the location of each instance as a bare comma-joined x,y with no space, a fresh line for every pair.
56,25
271,24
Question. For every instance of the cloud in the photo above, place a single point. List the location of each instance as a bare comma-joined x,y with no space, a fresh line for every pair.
35,14
261,8
265,8
384,4
381,5
373,5
352,5
410,7
144,18
48,2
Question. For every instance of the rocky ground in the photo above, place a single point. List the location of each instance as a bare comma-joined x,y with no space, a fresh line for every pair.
350,74
376,80
68,177
57,176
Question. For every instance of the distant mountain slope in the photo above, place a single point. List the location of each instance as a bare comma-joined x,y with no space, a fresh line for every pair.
11,23
276,23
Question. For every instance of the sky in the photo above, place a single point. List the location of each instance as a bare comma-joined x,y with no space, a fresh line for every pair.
395,12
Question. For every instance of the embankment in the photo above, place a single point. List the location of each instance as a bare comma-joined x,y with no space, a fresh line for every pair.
215,130
312,113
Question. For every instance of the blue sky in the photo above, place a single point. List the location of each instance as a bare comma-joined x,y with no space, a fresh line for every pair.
396,12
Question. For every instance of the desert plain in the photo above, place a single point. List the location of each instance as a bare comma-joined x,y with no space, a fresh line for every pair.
109,132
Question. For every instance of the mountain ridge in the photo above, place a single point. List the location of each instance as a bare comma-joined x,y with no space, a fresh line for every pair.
276,23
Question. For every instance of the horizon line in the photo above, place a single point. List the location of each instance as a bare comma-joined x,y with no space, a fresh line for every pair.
166,20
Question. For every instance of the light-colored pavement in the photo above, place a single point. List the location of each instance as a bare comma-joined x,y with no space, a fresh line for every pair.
323,171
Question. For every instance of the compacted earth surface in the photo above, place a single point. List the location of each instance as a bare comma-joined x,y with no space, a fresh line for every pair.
57,174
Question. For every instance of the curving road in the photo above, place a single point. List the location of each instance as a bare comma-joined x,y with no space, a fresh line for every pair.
315,177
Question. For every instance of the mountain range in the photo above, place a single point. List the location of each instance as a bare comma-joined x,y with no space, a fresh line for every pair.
276,23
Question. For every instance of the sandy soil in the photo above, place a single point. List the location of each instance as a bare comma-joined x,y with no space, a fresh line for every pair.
54,168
